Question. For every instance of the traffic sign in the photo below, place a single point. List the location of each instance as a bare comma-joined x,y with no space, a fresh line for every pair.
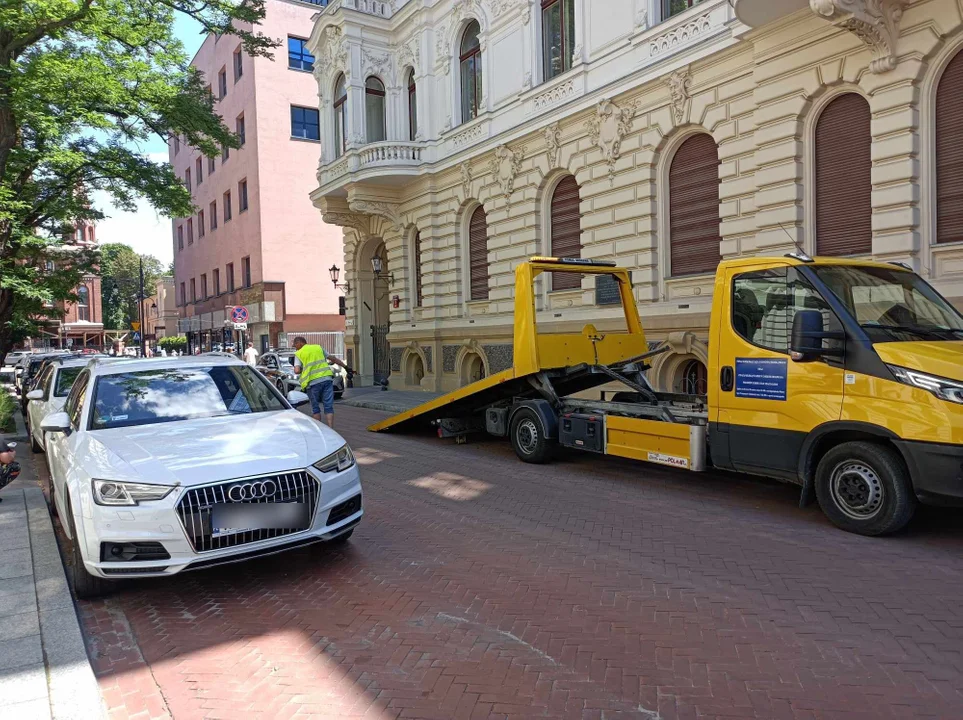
135,326
136,336
240,326
239,314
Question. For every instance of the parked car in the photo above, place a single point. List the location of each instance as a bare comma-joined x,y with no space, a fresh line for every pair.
31,367
278,367
169,464
49,394
14,356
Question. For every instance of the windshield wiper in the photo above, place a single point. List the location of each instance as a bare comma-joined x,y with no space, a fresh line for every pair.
915,330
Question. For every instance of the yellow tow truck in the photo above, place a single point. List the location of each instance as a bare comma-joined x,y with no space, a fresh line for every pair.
843,376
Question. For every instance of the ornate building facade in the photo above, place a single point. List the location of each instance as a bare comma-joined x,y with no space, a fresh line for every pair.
462,136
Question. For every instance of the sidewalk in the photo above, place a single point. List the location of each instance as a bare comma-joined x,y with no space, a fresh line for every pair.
44,669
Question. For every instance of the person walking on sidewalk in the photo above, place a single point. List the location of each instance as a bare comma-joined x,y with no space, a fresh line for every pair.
250,355
312,365
9,468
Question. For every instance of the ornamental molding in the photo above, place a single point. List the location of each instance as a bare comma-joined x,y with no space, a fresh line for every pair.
680,35
642,19
352,221
553,144
505,165
476,132
679,83
333,55
375,63
466,179
875,22
553,96
608,128
461,9
410,55
388,211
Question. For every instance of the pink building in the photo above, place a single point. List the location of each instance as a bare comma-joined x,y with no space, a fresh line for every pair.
255,238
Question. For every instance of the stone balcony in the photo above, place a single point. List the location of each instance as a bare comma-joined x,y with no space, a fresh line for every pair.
383,161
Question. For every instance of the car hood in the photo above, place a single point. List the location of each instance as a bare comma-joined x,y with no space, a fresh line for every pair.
943,358
195,452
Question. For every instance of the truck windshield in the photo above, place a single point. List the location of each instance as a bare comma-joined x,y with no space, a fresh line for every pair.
892,304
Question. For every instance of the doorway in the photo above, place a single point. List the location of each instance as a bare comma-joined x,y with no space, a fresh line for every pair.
373,313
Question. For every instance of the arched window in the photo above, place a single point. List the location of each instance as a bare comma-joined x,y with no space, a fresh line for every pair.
694,236
374,109
949,153
558,36
471,72
843,178
83,303
412,107
340,116
478,254
695,378
416,249
566,231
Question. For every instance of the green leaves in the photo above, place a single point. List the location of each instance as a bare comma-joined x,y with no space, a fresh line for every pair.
83,84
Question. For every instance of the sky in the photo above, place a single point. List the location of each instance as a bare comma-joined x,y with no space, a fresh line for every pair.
144,230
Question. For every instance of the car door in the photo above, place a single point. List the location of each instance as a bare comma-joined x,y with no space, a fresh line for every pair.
768,404
60,446
37,409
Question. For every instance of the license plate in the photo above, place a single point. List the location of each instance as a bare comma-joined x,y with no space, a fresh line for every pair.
234,518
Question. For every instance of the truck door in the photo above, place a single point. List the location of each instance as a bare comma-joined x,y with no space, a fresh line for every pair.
767,402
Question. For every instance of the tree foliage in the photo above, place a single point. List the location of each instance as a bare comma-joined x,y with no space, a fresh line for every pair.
120,283
82,84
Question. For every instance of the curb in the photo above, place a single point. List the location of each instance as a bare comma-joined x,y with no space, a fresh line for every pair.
386,406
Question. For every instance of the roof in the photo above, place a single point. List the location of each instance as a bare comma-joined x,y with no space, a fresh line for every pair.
111,365
816,261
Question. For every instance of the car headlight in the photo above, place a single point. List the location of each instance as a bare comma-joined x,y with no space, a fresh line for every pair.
941,387
340,461
112,492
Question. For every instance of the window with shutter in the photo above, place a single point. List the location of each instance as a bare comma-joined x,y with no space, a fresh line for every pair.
843,192
694,235
417,251
566,227
478,254
949,153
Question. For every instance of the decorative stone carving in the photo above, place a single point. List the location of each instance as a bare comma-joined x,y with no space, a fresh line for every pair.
465,137
642,19
334,51
554,95
577,54
500,357
449,353
527,82
375,63
505,165
348,220
466,178
410,56
460,9
388,211
680,34
608,127
426,351
330,173
679,83
875,22
553,144
395,354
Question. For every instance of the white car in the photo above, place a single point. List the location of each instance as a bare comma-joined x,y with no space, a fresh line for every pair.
50,394
168,464
13,357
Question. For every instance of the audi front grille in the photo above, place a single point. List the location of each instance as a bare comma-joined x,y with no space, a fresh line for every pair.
196,507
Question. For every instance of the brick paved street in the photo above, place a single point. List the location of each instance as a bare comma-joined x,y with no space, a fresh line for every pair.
480,587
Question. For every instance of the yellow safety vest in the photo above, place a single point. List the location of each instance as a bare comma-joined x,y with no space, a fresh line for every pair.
314,364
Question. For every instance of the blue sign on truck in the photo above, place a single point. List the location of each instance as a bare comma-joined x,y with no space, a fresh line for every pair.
761,378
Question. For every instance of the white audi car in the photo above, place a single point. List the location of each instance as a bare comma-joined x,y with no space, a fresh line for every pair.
50,394
168,464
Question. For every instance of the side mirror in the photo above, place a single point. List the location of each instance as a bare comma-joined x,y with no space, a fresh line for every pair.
35,395
298,398
56,422
808,333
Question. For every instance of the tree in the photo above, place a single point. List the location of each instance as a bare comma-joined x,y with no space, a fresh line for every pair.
82,83
120,283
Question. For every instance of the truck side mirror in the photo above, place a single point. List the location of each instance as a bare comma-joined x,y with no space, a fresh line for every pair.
808,333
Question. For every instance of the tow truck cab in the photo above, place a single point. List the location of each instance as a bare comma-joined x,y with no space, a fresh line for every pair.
843,376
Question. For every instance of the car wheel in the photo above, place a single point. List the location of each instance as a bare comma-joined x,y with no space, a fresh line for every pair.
34,445
86,586
282,387
528,438
864,488
338,395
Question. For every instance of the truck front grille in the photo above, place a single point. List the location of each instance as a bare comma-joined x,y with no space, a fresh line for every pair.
195,508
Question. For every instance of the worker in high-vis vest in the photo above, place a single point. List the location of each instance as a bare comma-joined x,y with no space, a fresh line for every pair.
312,365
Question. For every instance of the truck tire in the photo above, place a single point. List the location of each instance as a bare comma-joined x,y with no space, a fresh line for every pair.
86,586
528,438
864,488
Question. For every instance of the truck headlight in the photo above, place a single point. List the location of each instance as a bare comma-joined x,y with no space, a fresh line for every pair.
113,492
941,387
340,461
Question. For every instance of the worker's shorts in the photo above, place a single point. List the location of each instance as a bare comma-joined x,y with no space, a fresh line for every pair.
322,393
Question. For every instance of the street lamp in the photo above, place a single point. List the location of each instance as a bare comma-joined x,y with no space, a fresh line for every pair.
335,272
377,265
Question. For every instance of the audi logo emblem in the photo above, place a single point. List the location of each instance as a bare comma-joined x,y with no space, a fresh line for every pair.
252,490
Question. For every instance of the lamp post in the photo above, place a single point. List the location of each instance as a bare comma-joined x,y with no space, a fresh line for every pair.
334,271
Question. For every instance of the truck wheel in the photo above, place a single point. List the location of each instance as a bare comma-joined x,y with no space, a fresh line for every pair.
528,438
864,488
86,586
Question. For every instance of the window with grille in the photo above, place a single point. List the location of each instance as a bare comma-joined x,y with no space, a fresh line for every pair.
949,153
566,231
478,254
694,235
843,175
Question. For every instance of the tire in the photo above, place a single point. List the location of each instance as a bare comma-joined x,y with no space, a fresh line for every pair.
864,488
86,586
34,445
282,387
528,438
338,395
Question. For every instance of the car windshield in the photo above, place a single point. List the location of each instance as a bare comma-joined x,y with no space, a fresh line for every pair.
286,358
65,378
168,394
892,304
